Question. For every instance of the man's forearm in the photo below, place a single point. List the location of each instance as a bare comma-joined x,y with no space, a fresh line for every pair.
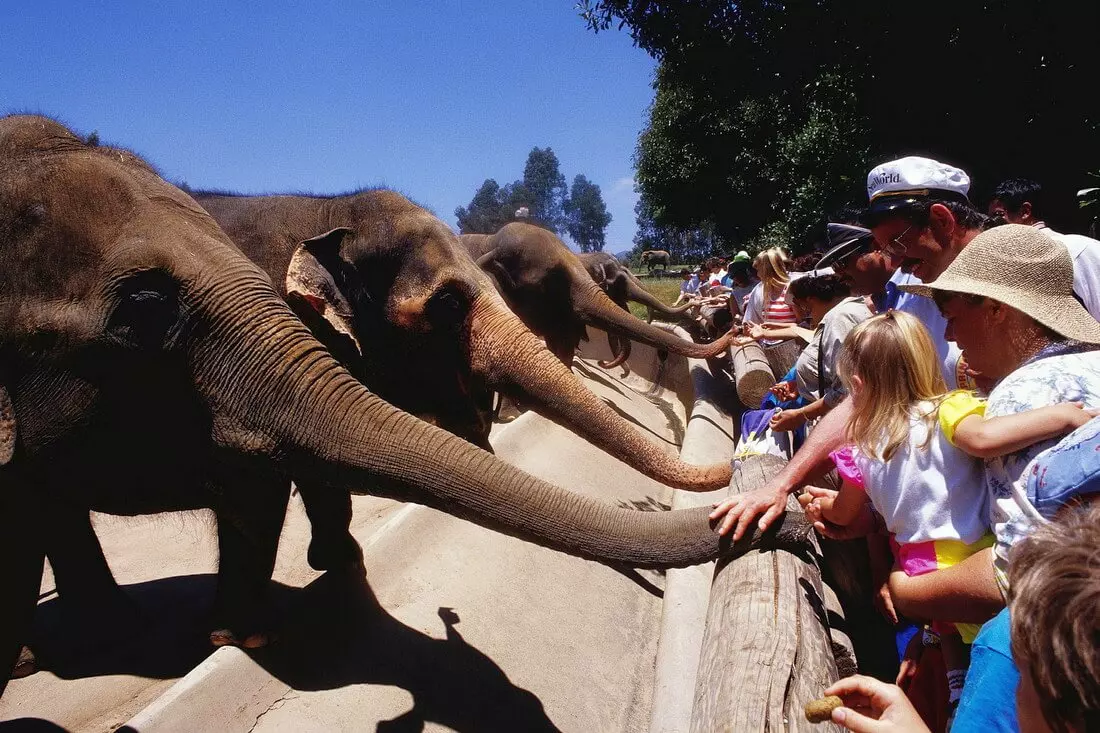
812,459
963,593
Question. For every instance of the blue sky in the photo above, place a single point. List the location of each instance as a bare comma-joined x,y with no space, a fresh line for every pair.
426,98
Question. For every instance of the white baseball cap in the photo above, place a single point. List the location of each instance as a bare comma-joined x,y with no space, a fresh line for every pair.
908,180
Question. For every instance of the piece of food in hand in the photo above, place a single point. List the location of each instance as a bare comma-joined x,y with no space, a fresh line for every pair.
818,711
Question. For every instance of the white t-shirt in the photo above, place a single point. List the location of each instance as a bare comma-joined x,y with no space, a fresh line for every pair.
925,311
1066,378
930,493
1085,252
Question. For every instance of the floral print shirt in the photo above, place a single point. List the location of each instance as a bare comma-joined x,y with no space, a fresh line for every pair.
1069,377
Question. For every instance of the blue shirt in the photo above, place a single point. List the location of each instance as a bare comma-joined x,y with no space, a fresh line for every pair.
988,703
926,311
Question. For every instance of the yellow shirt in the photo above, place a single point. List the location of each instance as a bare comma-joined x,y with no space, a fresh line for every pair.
955,407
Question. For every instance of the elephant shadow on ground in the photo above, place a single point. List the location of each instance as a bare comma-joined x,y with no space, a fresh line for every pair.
331,634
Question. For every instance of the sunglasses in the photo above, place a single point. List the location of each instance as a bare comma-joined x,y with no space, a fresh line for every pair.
895,248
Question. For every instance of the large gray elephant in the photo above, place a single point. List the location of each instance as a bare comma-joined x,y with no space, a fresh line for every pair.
146,365
395,296
653,257
550,289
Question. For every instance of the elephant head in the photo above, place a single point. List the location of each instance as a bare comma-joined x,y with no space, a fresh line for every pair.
397,297
141,354
550,288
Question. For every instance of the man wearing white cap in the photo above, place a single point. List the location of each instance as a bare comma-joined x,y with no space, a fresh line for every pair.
921,219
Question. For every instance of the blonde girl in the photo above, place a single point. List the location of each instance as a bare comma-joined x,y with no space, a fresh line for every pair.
767,303
912,452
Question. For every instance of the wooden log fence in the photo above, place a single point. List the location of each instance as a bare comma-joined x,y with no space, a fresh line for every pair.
752,373
770,644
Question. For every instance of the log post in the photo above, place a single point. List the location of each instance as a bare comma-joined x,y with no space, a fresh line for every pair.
783,355
768,647
751,373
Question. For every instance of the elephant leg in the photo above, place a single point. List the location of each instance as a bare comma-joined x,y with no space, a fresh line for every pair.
250,515
23,554
84,580
331,547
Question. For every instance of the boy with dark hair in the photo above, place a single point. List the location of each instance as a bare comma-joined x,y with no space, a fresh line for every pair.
1018,201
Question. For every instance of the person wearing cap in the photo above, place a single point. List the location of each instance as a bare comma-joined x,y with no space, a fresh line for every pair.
854,258
1019,201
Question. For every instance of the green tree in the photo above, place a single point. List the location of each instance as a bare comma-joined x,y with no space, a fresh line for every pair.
586,215
488,210
767,110
546,189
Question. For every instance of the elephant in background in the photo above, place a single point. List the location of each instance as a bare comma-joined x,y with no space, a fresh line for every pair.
394,294
653,257
548,286
620,284
146,365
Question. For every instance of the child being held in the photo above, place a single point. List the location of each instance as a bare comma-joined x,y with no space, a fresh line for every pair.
913,443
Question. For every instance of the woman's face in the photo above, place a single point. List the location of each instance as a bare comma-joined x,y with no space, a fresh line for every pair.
803,307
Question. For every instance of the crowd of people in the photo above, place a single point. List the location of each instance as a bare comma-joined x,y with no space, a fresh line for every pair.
949,371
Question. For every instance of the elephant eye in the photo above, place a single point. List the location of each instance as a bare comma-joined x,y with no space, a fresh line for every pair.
447,308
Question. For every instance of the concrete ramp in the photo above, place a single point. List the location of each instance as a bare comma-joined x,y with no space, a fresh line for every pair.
460,628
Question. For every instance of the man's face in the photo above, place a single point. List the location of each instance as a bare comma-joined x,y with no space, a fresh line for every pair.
974,327
912,248
866,273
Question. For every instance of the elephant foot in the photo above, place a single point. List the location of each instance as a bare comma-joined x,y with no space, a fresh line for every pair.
226,637
342,555
25,665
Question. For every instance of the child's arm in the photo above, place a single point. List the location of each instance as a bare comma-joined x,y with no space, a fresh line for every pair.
997,436
842,509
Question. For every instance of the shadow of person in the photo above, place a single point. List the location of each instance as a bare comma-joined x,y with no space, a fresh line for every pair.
330,635
337,634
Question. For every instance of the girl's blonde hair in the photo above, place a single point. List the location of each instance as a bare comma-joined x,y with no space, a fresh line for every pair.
771,265
895,358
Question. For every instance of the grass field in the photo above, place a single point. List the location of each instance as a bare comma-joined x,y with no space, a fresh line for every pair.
665,288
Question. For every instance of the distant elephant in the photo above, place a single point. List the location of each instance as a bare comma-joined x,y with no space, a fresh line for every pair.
393,293
550,289
147,366
653,257
620,284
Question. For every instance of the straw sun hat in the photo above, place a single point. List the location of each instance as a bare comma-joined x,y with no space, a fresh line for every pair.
1023,268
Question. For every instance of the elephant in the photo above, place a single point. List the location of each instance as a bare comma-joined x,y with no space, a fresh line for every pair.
653,257
146,365
622,286
550,289
392,292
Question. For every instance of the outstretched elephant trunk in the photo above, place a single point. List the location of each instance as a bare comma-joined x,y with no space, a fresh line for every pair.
640,295
277,391
511,358
598,310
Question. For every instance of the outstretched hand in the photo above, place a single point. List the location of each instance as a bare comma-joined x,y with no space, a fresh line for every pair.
816,501
872,706
738,512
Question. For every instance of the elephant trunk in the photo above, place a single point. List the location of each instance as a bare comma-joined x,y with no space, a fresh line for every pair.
511,357
640,295
275,391
596,309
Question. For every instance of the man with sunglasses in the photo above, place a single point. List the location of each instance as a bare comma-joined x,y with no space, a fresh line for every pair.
855,260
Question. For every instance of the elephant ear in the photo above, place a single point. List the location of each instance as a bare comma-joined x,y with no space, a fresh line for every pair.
309,278
7,427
